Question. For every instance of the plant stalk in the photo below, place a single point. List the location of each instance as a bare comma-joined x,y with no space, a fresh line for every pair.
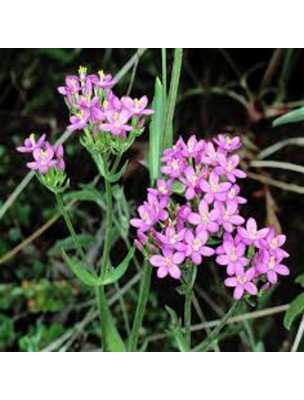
188,306
205,345
141,306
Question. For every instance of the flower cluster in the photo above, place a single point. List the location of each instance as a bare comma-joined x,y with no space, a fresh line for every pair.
45,155
95,107
193,214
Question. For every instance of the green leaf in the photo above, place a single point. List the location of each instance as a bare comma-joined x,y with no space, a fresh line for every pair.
69,244
300,280
111,338
291,117
178,187
88,278
295,309
156,130
176,330
115,177
87,193
114,274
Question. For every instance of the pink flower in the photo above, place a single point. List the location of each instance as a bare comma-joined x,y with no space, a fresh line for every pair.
59,153
195,246
192,181
214,189
193,148
274,243
72,86
168,263
137,107
228,215
272,266
233,195
232,255
175,167
116,123
242,282
227,167
103,81
251,235
226,143
30,144
206,219
79,120
44,159
148,217
210,155
171,237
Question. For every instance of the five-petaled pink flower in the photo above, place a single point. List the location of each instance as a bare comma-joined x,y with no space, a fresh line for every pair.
242,282
232,255
195,246
214,189
168,263
206,219
251,235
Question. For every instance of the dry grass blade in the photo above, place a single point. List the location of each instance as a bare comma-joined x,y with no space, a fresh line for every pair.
290,187
277,164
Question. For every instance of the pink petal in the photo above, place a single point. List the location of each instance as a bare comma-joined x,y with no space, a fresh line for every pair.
230,282
251,225
178,258
196,258
222,260
251,288
157,261
175,272
272,277
238,292
162,272
282,270
194,219
207,251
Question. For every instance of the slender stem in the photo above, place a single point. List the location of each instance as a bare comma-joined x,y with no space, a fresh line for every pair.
70,226
141,306
299,336
176,70
204,346
188,306
108,232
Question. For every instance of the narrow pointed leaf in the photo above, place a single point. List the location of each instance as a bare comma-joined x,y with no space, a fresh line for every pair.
156,130
114,274
115,177
88,278
291,117
295,309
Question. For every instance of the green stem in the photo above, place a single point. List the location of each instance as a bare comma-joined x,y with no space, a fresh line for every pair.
70,226
205,345
108,232
141,306
176,70
187,307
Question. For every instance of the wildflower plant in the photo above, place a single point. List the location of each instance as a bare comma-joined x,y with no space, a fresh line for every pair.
108,126
192,214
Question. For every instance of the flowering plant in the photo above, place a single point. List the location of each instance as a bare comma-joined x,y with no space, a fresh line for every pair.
194,214
191,217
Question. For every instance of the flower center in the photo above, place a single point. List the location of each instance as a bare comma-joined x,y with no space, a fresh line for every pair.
168,261
271,263
205,218
136,103
274,243
101,74
174,164
193,180
162,189
231,193
227,139
226,215
214,187
229,166
197,244
233,255
241,279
